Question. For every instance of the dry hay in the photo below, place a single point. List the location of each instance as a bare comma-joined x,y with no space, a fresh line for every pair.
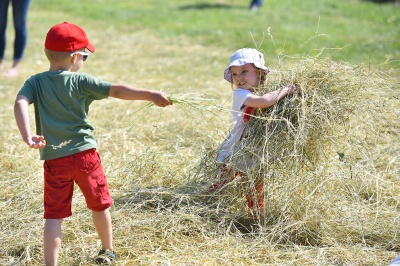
328,156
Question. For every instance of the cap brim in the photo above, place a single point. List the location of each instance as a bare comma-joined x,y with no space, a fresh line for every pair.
90,47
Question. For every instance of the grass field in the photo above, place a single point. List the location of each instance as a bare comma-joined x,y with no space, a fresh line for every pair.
150,155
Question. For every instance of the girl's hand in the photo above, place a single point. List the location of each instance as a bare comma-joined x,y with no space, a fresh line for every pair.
36,142
291,88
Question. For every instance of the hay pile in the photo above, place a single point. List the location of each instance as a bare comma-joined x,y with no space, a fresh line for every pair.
303,130
324,154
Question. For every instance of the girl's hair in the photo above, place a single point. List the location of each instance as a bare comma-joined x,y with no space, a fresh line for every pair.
263,74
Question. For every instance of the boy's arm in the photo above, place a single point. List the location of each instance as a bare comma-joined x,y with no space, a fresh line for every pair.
269,99
126,92
22,119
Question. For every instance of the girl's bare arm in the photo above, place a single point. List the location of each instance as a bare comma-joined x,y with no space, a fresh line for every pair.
269,99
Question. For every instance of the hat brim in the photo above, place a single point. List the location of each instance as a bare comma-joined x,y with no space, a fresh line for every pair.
240,62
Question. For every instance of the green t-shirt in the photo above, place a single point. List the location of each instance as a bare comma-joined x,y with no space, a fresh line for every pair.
61,100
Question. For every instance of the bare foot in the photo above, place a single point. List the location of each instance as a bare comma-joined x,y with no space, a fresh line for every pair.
12,72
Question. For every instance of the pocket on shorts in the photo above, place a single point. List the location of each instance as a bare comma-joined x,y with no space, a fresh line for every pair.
91,161
103,187
54,170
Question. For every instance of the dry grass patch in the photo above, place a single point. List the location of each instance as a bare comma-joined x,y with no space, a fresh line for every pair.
329,157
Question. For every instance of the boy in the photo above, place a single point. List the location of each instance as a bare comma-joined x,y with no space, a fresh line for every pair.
61,98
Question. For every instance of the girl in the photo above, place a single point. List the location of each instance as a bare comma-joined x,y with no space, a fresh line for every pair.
247,72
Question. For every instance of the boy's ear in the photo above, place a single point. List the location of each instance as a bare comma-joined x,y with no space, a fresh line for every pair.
74,58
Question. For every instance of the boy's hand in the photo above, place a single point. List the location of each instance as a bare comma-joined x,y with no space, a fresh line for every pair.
36,142
160,99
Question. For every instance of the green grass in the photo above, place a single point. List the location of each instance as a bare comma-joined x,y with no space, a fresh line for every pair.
182,47
366,31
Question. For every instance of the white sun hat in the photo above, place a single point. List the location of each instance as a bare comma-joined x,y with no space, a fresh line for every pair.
245,56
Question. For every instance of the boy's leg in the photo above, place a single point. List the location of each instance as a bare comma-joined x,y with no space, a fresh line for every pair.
58,190
102,223
92,181
90,178
52,240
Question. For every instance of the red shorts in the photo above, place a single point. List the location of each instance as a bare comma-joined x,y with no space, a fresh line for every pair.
60,174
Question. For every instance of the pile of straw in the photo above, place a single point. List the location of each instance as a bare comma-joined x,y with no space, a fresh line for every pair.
306,128
315,153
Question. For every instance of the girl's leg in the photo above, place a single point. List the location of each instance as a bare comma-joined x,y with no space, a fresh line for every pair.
255,199
52,240
102,223
220,179
224,176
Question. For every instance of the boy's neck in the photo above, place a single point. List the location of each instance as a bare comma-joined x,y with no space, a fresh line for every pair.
59,67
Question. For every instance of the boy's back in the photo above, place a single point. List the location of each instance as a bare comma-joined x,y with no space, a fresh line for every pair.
61,101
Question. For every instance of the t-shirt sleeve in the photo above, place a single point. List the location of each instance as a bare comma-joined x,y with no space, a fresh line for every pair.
94,87
28,90
239,96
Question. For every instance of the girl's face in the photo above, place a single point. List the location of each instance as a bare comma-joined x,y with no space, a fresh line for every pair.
245,77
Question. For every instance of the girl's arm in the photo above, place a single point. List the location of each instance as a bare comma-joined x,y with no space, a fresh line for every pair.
127,92
22,119
269,99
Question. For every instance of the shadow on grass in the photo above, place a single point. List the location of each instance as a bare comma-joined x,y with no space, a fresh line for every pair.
204,205
202,6
383,1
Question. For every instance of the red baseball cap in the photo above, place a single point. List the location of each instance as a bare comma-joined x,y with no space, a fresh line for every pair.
67,37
